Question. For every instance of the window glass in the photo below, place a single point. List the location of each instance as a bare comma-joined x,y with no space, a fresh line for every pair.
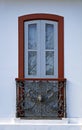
32,62
32,36
49,30
49,63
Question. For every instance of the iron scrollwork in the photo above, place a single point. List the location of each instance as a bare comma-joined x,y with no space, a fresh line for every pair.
38,99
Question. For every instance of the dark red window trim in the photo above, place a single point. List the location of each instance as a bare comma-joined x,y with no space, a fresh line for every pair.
51,17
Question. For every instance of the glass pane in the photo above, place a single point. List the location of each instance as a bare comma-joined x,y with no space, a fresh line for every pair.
32,63
32,36
49,63
49,44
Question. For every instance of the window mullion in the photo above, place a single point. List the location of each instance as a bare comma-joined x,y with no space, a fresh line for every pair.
38,50
42,48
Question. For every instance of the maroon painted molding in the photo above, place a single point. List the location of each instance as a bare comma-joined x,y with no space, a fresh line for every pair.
51,79
51,17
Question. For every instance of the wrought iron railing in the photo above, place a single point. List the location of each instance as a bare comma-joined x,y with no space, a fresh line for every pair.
40,98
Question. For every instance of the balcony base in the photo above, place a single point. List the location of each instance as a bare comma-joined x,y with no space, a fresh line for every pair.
18,121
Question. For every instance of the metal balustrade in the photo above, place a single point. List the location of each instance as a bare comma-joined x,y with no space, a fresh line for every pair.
41,98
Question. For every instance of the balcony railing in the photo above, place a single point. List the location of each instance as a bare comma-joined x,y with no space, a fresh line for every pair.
40,98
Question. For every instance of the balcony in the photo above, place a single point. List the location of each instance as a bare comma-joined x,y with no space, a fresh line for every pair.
40,98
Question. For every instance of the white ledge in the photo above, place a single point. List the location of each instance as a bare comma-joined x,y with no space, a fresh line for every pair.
18,121
13,121
42,122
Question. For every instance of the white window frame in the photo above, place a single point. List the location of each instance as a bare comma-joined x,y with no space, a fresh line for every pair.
41,68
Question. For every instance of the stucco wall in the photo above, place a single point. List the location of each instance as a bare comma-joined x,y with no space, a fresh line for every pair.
33,127
9,12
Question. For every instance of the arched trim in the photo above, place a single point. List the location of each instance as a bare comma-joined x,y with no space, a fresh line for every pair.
40,16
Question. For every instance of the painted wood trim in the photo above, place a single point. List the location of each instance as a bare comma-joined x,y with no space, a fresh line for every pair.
51,79
30,17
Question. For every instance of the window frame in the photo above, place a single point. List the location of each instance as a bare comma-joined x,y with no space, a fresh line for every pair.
51,17
41,49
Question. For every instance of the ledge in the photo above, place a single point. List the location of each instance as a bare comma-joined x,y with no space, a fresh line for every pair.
18,121
42,122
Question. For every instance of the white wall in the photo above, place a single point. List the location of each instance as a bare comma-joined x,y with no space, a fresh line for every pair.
25,127
33,127
9,12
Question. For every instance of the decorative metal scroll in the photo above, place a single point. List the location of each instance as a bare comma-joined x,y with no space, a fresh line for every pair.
40,99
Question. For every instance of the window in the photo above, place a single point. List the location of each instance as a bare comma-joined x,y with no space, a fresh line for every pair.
41,82
41,46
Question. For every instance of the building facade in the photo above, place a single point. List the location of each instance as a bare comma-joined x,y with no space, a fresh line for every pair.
9,12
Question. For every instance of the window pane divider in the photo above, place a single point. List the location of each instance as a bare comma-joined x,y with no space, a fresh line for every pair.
31,50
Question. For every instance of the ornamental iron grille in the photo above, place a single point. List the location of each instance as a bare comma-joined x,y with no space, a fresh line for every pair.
41,98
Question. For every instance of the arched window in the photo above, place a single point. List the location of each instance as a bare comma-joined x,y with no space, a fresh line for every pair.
41,82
